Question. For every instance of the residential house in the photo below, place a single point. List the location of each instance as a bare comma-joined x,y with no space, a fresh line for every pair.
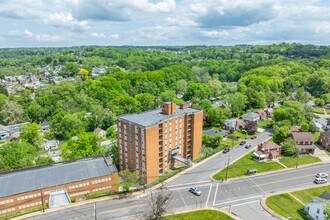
44,126
295,128
324,139
262,114
220,104
310,103
269,149
100,132
304,142
213,133
4,133
321,123
233,124
269,112
251,116
52,144
327,106
315,208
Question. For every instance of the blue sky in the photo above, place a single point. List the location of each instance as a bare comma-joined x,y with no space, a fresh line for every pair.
39,23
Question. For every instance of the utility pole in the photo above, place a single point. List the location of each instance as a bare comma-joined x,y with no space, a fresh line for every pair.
297,157
227,167
95,211
42,199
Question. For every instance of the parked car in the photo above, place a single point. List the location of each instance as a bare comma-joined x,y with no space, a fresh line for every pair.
253,137
248,146
242,142
195,191
226,150
320,180
321,175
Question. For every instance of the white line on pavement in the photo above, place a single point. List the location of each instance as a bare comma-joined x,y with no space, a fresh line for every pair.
245,203
185,184
182,199
187,187
237,200
215,195
208,196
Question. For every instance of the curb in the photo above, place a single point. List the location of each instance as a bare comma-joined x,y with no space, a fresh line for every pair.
214,180
270,211
205,208
277,171
185,171
77,204
267,209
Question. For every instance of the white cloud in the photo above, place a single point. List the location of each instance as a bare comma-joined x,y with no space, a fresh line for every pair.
47,38
114,36
154,22
98,35
215,34
16,33
66,20
39,37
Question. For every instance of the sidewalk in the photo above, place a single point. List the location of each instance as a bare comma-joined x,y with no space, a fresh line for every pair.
319,152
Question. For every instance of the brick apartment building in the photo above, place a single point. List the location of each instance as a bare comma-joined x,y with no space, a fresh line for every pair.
29,188
151,142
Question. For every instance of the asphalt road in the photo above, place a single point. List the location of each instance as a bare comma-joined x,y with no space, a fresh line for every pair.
241,196
201,173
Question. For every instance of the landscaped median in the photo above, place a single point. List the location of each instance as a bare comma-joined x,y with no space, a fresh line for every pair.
199,215
287,204
240,167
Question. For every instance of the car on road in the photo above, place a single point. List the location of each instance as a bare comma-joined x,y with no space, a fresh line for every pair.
253,137
320,180
321,175
242,142
248,146
195,191
226,150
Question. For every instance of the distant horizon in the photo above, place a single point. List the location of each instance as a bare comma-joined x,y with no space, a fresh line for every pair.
154,46
69,23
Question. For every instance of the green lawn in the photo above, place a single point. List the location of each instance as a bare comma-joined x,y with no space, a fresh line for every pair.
240,167
321,111
241,135
229,143
265,124
308,194
327,151
316,135
286,206
302,159
200,215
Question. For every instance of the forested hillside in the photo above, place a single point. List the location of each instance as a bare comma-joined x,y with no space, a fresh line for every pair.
66,87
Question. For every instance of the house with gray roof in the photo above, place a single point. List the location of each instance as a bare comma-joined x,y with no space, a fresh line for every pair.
251,116
315,208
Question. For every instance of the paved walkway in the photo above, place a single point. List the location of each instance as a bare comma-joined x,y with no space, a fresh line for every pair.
324,157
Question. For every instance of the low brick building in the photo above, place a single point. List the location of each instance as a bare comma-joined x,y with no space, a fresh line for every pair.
29,188
269,149
324,139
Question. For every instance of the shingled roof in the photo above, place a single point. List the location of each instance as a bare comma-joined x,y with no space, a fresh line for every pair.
302,136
